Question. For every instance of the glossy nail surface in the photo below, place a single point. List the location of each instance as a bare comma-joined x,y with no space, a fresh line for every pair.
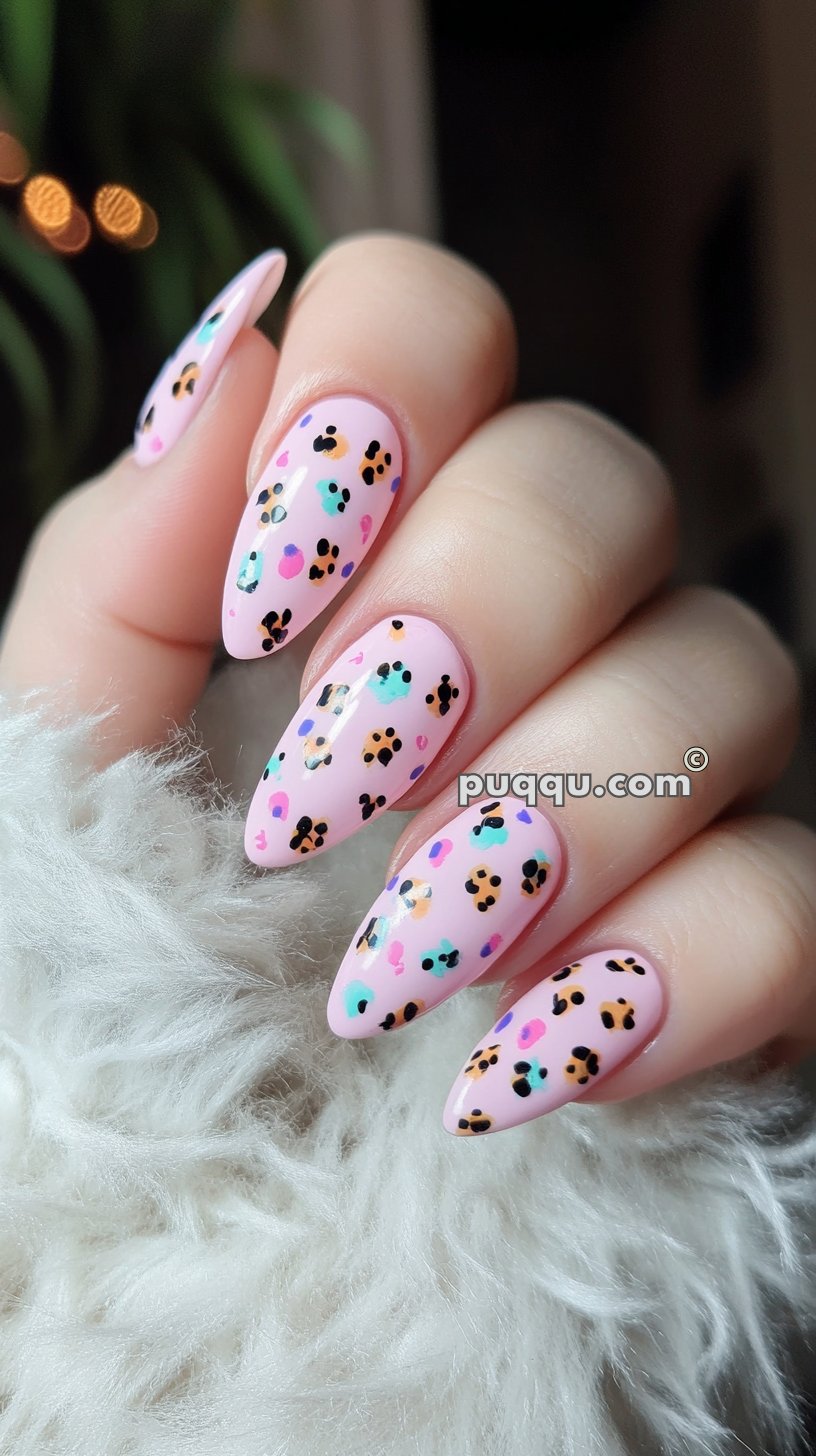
362,736
186,378
561,1038
456,905
312,518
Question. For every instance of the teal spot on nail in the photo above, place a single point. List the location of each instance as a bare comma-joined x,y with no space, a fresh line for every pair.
440,960
250,571
210,328
357,997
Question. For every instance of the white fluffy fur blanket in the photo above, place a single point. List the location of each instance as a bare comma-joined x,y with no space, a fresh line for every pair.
225,1233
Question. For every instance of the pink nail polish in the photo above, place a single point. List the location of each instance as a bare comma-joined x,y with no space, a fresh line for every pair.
561,1038
308,523
186,378
452,910
363,735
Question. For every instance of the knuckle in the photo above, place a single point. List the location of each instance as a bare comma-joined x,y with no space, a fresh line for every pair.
58,525
607,495
631,457
438,280
773,875
632,497
754,644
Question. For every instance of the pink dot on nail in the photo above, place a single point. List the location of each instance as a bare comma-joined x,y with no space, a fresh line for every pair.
531,1032
421,742
395,954
232,611
156,444
291,563
278,805
283,459
440,851
357,659
365,527
260,839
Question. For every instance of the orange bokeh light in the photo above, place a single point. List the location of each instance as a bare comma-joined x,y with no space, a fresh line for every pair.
76,234
118,212
14,163
148,230
48,203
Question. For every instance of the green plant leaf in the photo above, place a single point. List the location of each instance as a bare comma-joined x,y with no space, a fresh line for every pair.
257,153
48,280
167,275
27,33
210,212
339,131
29,378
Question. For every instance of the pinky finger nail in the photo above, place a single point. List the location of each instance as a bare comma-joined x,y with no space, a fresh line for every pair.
561,1038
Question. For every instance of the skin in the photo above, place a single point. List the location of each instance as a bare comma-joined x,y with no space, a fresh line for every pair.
540,537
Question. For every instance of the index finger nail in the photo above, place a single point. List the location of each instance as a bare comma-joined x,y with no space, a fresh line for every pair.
185,380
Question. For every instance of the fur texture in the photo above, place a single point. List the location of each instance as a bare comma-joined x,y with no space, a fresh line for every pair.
225,1233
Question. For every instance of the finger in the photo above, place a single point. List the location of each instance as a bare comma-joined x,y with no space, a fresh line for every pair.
697,667
704,960
118,603
186,379
561,524
395,350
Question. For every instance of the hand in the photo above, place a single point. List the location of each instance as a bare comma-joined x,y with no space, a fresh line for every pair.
514,618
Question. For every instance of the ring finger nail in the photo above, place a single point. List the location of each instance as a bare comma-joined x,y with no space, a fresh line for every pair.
364,734
457,904
557,1041
311,519
188,375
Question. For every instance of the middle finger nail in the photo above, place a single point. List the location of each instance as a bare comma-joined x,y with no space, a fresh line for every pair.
311,519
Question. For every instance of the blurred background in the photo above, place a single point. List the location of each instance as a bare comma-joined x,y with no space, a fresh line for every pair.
636,174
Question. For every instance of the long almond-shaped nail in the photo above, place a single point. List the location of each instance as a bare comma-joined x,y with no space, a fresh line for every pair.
186,378
311,519
451,911
361,737
561,1038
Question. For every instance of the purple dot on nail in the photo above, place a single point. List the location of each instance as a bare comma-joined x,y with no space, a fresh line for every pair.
490,946
306,727
392,882
439,852
524,817
347,570
290,550
505,1021
395,484
417,771
305,420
